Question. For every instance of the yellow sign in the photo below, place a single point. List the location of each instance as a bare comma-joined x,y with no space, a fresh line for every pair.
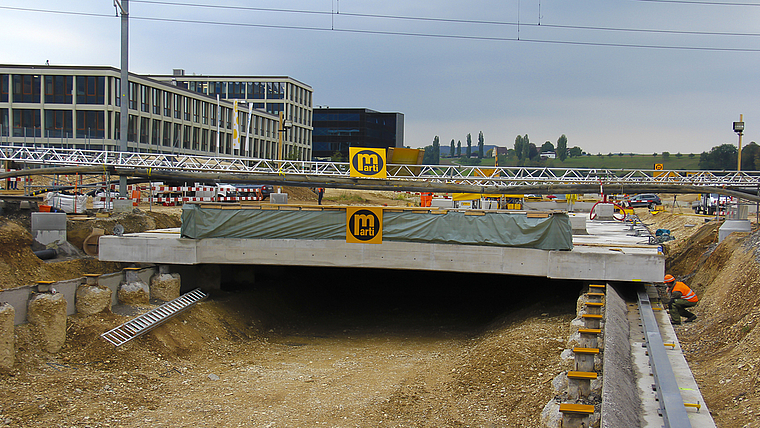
658,167
367,163
364,225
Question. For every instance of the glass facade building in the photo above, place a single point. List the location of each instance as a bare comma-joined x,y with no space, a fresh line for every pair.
79,107
337,129
272,94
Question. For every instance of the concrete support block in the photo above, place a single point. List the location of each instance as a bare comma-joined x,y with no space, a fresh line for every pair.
47,315
133,291
93,299
584,362
165,285
578,388
7,336
572,420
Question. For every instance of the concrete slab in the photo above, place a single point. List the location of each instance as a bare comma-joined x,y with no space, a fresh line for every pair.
607,253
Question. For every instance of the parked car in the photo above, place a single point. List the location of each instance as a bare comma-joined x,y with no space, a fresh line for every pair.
645,200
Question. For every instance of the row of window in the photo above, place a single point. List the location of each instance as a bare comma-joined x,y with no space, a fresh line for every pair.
26,88
238,90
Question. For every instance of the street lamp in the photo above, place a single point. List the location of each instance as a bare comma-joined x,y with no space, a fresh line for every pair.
284,126
739,129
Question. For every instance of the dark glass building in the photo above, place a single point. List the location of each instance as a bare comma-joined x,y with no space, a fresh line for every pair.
337,129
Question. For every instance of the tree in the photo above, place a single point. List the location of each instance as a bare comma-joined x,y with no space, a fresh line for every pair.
459,148
562,147
519,147
575,151
432,153
452,148
337,156
547,147
678,155
481,142
751,157
720,158
532,151
665,155
469,145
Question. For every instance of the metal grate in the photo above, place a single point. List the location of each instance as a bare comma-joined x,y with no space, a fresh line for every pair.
150,320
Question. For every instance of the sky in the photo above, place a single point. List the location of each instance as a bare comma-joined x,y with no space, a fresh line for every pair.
631,76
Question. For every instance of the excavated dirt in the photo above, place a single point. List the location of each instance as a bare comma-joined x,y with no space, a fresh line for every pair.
723,345
358,349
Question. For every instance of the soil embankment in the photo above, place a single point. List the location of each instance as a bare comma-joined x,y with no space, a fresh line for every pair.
723,345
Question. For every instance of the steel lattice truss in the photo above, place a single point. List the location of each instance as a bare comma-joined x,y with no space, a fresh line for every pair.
483,176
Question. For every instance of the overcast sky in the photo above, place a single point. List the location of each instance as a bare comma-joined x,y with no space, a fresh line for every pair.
639,76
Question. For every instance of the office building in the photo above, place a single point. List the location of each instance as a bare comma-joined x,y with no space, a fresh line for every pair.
79,107
337,129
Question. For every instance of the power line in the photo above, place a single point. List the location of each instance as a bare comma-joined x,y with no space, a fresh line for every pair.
416,34
699,2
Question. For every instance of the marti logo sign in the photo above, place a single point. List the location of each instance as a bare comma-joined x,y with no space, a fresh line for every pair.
364,225
367,162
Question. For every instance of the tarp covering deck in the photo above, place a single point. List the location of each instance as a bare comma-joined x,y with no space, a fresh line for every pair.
553,232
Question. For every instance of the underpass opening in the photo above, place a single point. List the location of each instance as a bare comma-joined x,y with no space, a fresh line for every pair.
320,300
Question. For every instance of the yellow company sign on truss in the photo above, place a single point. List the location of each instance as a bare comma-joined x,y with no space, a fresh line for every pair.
367,163
364,225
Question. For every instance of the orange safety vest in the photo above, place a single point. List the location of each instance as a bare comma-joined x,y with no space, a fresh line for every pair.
686,292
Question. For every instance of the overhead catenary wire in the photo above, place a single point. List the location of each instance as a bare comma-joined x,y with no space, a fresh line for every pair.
332,28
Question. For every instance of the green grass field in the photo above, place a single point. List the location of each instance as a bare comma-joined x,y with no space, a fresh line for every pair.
611,162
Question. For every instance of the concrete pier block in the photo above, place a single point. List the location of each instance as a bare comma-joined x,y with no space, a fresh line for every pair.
165,285
578,388
133,291
93,299
7,336
47,315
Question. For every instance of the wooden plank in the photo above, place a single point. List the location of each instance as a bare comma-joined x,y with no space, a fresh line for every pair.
586,350
572,374
590,330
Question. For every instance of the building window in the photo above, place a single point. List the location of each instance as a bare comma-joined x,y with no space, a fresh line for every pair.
4,88
58,124
177,106
166,137
26,88
145,98
117,84
156,94
204,140
196,138
90,124
91,89
177,135
259,89
275,91
275,108
26,123
58,90
155,135
196,111
215,88
186,107
117,128
236,90
4,122
167,104
144,129
186,137
133,94
204,112
132,128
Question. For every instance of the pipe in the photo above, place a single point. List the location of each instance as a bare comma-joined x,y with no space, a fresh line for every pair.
46,254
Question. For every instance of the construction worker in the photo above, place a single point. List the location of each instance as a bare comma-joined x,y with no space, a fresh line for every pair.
681,297
320,194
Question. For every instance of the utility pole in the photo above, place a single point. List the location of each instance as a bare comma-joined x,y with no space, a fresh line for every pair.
123,7
739,129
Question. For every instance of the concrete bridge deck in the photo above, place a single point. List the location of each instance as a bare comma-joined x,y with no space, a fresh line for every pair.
609,252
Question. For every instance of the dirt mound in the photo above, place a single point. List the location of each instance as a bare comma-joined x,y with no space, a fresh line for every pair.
133,222
18,264
723,346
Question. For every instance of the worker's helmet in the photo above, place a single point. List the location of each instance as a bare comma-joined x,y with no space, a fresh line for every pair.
669,278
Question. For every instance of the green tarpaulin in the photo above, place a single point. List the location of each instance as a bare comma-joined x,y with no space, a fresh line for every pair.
501,229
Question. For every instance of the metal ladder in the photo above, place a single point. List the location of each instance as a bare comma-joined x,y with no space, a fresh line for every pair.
150,320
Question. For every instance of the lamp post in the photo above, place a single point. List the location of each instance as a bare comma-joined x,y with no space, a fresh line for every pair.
284,126
739,129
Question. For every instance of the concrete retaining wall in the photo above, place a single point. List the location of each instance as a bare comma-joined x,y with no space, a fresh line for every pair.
620,399
19,297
